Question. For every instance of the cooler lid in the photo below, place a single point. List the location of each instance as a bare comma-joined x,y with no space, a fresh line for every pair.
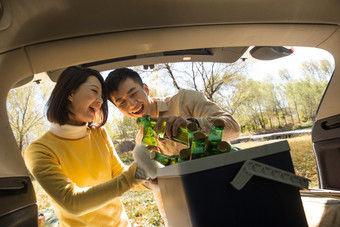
215,161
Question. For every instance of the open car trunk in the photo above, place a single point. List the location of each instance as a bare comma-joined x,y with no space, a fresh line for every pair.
48,36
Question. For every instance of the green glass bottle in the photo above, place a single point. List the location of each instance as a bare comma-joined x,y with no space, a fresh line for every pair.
148,136
181,137
184,155
214,137
163,159
191,128
198,145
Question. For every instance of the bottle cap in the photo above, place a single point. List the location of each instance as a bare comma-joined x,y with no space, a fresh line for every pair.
192,126
199,136
223,146
153,155
219,123
184,153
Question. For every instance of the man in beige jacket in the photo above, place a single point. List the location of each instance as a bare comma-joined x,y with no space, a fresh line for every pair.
130,95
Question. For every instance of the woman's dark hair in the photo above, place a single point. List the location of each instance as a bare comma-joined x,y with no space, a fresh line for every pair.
69,81
117,76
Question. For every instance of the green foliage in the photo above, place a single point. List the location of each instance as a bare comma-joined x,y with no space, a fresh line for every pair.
304,118
25,108
291,102
120,127
126,157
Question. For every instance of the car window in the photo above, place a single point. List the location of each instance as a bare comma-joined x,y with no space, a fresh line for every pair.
268,98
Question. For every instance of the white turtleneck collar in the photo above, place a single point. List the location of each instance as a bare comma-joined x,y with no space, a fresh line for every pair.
69,131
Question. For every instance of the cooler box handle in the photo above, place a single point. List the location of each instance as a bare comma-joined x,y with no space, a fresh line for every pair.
251,167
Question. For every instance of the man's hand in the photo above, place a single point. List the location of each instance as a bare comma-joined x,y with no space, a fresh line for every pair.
152,148
172,124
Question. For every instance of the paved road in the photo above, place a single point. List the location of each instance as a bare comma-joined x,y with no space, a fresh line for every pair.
271,136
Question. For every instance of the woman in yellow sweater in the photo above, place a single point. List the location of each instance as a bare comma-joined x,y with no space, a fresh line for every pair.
75,161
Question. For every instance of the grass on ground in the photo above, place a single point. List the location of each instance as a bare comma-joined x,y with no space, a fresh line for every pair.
301,151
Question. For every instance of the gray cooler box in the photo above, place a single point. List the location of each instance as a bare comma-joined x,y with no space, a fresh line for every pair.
250,187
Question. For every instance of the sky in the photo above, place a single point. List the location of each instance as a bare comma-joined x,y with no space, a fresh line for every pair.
293,62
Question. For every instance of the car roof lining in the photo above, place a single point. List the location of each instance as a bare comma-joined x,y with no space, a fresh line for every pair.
62,53
33,21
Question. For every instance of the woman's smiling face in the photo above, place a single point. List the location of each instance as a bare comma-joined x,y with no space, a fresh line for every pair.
85,102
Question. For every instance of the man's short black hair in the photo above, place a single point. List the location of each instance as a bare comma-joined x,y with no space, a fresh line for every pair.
119,75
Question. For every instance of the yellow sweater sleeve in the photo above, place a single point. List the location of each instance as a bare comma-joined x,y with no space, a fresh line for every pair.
118,166
45,166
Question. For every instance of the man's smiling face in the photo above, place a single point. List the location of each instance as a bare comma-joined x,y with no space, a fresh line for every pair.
132,99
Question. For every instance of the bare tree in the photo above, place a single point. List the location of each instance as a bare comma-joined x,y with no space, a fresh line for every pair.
171,74
25,113
207,78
